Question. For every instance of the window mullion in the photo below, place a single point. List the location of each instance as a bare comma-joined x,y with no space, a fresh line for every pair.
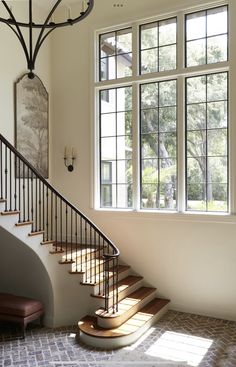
136,147
181,143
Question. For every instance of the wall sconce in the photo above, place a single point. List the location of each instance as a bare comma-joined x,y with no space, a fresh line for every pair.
69,159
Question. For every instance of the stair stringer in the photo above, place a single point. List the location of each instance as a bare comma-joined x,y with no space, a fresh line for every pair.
70,300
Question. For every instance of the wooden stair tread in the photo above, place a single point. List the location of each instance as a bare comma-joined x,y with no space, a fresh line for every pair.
123,284
35,233
127,303
10,212
90,264
20,224
48,242
89,326
95,279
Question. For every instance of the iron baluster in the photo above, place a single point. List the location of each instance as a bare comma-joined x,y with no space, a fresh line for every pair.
32,198
71,236
51,221
15,186
40,208
6,172
1,170
47,214
10,178
56,221
28,194
66,233
23,189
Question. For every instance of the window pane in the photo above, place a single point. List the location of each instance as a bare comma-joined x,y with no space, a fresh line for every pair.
149,61
107,173
219,197
124,123
167,195
167,146
108,148
124,147
167,58
217,49
124,171
196,89
149,120
196,116
217,87
196,52
196,25
167,119
217,142
124,99
150,171
149,95
196,143
217,169
149,146
167,91
196,170
124,41
124,65
108,100
107,44
106,196
196,196
149,38
217,22
149,198
108,124
217,114
167,32
124,196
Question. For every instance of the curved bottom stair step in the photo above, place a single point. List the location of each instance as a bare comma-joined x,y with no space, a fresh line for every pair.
127,307
127,333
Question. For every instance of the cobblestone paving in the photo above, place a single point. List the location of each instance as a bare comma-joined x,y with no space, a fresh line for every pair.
176,337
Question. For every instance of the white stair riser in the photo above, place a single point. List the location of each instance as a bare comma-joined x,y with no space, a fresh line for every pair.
121,275
113,322
123,341
121,295
80,259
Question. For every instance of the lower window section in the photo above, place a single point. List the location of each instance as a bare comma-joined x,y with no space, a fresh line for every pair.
119,196
207,143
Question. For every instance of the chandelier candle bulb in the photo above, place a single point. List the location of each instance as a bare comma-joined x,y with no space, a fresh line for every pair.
82,10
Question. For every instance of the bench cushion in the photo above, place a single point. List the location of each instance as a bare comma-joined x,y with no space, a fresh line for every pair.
18,306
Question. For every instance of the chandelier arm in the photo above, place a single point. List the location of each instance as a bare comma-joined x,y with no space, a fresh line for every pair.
41,38
39,44
19,34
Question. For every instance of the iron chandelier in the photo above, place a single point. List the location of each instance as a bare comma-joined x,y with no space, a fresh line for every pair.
32,48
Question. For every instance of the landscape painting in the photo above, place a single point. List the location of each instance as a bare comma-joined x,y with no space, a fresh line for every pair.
31,122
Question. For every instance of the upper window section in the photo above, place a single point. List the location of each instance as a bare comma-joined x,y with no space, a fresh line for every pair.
158,46
207,36
115,54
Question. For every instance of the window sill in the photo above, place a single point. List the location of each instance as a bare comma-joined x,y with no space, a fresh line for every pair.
169,216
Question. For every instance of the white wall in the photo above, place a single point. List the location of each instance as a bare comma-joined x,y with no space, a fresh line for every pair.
13,65
190,259
22,273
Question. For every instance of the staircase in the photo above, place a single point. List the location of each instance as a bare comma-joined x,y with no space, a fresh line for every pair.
120,305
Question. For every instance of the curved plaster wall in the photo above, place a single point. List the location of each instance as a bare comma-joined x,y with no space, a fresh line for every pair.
23,273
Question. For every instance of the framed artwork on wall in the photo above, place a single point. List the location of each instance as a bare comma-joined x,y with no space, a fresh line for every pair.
31,122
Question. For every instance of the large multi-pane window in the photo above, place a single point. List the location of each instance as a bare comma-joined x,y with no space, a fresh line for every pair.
170,120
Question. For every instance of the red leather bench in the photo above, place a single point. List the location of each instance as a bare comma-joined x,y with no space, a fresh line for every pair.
21,310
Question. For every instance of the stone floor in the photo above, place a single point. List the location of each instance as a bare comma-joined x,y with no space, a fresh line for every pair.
178,339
